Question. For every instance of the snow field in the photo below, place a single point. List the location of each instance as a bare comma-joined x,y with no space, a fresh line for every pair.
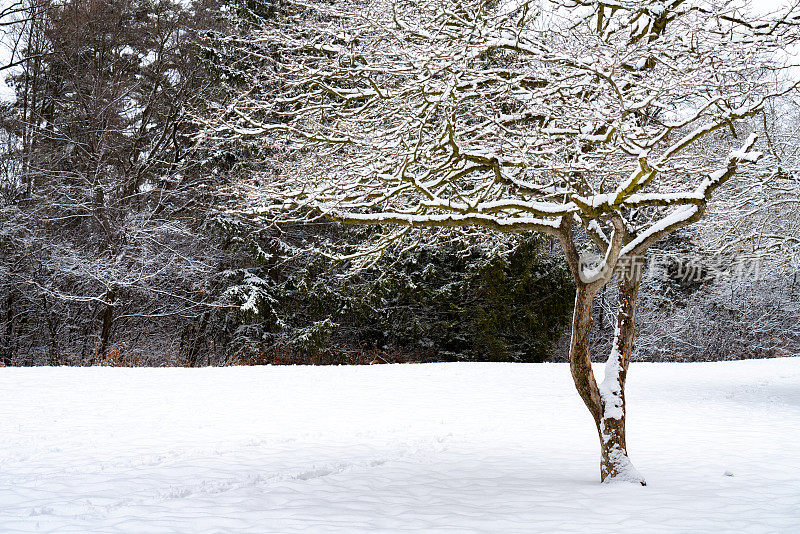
394,448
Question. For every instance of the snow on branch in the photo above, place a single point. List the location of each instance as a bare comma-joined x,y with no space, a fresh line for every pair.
514,117
696,200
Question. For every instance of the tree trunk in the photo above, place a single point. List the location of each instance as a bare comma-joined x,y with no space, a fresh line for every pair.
105,331
7,355
195,347
615,463
606,401
580,363
53,357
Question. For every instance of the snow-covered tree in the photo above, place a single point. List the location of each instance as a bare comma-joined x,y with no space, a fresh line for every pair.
101,218
607,125
761,216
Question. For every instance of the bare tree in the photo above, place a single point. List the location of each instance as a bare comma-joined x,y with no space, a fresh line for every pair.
760,217
102,217
605,125
19,19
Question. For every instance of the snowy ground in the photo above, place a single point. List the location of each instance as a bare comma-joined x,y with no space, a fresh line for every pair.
425,448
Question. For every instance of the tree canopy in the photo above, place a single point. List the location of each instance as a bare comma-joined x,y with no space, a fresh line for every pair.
601,124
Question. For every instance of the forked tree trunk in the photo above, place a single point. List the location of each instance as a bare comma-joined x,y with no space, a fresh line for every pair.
606,401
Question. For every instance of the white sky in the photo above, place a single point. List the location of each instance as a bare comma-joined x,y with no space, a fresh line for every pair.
6,93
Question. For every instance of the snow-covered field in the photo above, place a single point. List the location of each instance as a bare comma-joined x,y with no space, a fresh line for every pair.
424,448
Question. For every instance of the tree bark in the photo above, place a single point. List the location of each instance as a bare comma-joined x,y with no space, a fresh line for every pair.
615,463
105,331
194,349
7,355
580,363
606,401
53,357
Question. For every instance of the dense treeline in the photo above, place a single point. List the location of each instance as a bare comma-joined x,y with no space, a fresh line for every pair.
117,244
101,222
